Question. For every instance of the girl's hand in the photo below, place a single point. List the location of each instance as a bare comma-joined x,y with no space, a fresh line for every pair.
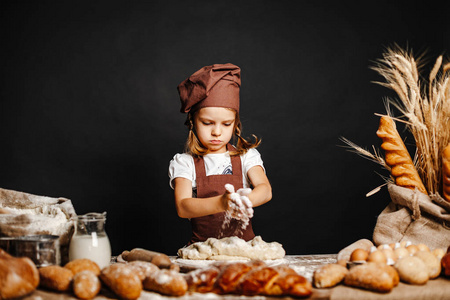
237,204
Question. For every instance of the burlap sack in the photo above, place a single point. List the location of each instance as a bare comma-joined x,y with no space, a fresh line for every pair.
27,214
414,216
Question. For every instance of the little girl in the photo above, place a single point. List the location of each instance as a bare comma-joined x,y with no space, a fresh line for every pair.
210,97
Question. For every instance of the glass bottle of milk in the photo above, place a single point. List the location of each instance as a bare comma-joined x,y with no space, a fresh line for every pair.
90,239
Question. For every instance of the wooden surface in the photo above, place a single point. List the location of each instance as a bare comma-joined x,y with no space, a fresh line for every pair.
305,265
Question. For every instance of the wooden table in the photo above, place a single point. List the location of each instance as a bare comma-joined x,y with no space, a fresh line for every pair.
305,265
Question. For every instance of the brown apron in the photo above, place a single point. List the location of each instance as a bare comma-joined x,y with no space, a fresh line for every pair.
214,185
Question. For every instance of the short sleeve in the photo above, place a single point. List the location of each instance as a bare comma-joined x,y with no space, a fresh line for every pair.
182,165
250,159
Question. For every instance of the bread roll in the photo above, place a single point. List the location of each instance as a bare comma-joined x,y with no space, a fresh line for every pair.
397,156
329,275
143,268
122,280
166,282
412,270
83,264
446,173
55,278
431,261
86,284
370,276
18,276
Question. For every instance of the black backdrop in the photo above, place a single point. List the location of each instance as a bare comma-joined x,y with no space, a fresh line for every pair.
90,110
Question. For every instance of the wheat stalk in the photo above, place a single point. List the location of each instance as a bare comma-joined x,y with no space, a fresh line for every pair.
426,109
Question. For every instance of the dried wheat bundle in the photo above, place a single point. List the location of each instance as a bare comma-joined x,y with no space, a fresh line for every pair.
425,105
425,108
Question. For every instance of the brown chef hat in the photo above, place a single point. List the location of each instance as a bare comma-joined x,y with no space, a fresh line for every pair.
216,85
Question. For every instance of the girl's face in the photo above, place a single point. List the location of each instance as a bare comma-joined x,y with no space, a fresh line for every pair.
214,127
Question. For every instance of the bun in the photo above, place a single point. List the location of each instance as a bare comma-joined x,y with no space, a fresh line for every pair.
397,156
55,278
122,280
83,264
18,276
86,284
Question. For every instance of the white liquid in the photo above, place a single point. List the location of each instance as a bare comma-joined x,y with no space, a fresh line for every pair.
93,247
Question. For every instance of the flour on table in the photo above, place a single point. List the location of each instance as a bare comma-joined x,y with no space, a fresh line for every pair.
232,248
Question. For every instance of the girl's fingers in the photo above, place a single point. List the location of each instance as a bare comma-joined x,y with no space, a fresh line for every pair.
229,188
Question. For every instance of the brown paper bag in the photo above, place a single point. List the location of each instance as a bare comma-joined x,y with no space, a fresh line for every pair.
414,216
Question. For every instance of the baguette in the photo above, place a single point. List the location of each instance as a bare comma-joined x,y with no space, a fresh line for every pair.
161,260
446,173
397,156
18,276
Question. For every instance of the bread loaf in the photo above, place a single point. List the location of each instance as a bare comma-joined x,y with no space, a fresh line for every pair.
250,278
397,156
370,276
446,173
86,284
166,282
329,275
18,276
122,280
55,278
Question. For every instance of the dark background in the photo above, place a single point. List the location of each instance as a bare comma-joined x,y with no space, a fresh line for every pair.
90,110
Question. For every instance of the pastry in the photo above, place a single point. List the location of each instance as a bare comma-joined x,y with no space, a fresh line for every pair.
249,278
397,156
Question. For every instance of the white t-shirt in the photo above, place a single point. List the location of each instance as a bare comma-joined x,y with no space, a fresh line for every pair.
182,165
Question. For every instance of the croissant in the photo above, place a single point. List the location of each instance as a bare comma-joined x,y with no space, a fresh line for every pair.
249,279
446,173
397,156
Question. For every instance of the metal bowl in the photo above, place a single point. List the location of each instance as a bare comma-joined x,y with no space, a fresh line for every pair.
43,250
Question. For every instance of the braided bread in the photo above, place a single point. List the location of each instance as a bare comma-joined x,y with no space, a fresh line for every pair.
397,156
250,278
446,173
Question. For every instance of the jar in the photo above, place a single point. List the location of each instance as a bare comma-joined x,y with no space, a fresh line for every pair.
90,239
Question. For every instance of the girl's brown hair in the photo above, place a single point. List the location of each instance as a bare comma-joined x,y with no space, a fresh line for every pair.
195,148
